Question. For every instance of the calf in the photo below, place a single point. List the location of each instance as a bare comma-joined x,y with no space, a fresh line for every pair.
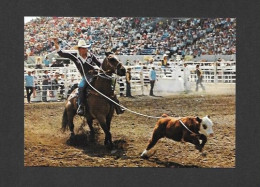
188,129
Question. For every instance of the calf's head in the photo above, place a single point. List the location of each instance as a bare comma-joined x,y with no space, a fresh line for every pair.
206,126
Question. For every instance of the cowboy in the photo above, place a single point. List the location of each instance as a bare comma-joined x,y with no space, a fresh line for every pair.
86,63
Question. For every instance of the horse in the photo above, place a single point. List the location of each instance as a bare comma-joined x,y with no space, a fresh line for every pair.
98,107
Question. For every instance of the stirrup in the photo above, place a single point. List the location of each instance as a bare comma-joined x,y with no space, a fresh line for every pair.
80,110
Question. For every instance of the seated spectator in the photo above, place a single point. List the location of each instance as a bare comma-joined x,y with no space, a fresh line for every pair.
38,63
46,62
187,35
165,60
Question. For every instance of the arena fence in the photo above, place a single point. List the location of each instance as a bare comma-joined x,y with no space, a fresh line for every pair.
170,80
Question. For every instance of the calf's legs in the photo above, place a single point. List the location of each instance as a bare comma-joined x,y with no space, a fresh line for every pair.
156,136
194,139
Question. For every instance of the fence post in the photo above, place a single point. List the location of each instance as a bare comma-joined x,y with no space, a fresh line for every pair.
142,81
215,65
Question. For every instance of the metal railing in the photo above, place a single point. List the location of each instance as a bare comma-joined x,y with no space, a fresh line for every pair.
68,76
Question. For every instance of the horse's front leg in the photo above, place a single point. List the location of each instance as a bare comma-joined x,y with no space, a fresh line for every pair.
108,138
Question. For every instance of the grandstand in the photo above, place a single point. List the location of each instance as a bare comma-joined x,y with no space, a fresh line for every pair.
134,36
193,40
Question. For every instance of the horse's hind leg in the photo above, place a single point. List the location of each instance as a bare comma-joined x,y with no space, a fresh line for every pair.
108,121
92,132
71,125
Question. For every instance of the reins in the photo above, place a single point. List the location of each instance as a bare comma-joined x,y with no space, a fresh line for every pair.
114,101
95,67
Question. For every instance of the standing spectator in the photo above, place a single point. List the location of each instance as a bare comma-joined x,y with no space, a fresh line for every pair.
128,83
199,78
152,77
186,77
29,86
55,84
45,85
46,62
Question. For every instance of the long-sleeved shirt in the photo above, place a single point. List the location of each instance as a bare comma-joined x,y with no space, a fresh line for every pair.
87,63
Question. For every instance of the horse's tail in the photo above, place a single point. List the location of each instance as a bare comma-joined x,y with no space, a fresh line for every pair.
64,125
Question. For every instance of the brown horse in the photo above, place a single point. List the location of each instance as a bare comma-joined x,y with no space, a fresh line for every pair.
98,107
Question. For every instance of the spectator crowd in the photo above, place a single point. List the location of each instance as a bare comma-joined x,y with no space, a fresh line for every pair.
133,36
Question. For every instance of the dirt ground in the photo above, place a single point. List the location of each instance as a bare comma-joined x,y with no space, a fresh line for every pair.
46,145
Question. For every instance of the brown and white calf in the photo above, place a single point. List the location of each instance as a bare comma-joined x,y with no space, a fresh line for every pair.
188,129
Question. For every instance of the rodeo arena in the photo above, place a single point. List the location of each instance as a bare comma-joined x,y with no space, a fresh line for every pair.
161,93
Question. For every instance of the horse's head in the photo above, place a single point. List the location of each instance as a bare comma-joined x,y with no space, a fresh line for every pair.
111,65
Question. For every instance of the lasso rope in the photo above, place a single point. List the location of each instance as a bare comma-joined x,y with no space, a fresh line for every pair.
95,67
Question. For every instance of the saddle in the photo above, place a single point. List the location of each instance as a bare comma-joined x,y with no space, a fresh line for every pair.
87,91
73,94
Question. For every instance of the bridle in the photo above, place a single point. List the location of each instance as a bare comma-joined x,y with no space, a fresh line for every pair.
108,73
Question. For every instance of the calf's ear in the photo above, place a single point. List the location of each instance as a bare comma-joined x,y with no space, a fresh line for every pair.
198,119
208,116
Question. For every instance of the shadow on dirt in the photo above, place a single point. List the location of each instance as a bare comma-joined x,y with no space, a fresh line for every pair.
93,145
100,150
171,164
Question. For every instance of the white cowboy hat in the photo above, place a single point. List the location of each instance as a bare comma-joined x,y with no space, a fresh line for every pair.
82,44
165,55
